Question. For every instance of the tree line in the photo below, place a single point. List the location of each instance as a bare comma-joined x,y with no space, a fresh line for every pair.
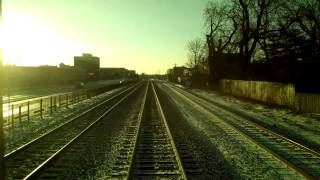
264,31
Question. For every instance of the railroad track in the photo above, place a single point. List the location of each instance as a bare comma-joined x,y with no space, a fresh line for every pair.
27,160
148,150
301,159
12,146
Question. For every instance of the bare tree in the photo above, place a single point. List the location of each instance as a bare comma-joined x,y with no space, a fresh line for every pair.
300,25
261,29
251,16
221,27
268,30
196,54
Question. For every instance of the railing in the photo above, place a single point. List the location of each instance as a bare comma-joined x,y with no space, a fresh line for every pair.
17,112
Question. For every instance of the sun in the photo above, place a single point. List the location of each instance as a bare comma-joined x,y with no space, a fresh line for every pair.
28,41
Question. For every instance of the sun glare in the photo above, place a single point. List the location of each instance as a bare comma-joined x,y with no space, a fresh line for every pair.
29,42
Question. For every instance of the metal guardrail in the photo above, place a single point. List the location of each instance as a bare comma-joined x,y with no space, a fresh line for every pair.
16,112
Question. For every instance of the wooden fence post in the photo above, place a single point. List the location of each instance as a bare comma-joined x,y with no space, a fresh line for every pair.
59,101
88,95
20,116
28,111
55,103
51,109
41,108
67,100
12,116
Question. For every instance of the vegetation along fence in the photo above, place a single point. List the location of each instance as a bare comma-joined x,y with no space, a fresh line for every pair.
272,93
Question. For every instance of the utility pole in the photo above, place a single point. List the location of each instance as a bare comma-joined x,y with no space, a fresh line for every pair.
2,169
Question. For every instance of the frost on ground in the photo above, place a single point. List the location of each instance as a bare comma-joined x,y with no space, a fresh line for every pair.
246,160
95,158
304,128
21,134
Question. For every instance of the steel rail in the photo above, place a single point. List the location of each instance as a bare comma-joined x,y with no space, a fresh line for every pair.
142,107
138,139
37,97
21,148
33,99
246,118
46,163
279,157
181,167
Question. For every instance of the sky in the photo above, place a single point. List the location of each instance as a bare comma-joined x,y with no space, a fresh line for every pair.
148,36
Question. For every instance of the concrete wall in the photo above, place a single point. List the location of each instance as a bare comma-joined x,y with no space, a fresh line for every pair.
272,93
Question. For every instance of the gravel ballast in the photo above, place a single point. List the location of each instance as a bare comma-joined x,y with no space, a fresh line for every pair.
26,131
303,128
236,156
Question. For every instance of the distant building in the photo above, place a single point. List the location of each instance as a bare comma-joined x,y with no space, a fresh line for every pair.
132,74
90,64
116,73
179,74
47,66
62,65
